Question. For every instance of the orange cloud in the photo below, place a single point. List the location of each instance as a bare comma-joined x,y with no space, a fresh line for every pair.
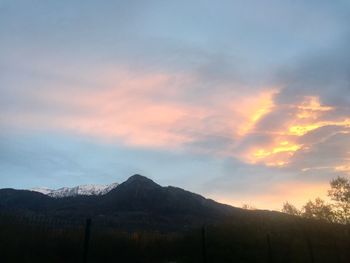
154,110
345,168
274,155
300,130
253,108
284,142
313,104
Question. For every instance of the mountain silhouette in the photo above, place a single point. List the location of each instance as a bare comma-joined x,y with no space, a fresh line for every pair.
136,203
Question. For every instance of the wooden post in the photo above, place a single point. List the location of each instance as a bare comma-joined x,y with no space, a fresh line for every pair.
337,251
86,239
269,247
311,250
204,245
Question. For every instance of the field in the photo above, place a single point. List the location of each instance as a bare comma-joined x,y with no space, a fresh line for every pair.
41,239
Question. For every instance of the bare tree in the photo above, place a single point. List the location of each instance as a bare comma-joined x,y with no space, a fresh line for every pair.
318,209
288,208
340,194
337,211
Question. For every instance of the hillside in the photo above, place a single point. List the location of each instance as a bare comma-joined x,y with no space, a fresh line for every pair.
141,221
137,203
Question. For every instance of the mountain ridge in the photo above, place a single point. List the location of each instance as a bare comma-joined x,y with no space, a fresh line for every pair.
86,189
137,203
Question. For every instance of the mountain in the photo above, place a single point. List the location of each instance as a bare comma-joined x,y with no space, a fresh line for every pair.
140,193
141,221
90,189
138,203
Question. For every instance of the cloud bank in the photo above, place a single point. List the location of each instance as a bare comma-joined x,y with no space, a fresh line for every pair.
251,101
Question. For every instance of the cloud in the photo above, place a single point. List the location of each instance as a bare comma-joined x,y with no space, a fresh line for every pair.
139,108
330,152
323,73
247,97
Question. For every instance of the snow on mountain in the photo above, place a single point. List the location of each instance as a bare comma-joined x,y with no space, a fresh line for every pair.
43,190
90,189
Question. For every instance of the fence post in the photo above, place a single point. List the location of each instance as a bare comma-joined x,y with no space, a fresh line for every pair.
311,250
204,245
86,239
269,247
337,251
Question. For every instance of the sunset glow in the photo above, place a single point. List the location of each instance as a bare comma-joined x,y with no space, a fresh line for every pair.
244,103
254,108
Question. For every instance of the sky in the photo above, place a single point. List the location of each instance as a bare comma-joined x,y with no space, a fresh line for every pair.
245,102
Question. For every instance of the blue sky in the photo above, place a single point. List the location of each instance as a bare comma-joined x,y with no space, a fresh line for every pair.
241,101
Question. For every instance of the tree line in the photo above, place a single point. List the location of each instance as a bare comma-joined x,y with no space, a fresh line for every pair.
337,210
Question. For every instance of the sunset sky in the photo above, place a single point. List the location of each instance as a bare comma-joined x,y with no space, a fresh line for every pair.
245,102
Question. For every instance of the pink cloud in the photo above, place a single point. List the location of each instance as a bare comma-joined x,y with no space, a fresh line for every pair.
146,109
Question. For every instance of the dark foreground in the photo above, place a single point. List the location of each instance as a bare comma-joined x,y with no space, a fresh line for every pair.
260,239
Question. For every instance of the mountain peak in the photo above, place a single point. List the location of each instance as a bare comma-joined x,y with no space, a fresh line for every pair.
137,176
138,179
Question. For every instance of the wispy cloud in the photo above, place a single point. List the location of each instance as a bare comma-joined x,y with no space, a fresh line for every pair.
256,94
